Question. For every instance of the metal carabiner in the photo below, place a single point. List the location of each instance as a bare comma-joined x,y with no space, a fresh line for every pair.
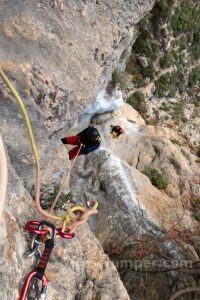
35,242
89,204
27,285
34,249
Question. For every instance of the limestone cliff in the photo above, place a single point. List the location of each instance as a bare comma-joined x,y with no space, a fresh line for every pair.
66,59
59,55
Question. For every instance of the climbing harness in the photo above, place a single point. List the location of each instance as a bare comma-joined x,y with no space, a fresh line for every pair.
44,231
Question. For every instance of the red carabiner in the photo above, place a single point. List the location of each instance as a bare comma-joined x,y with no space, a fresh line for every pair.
65,234
27,283
31,227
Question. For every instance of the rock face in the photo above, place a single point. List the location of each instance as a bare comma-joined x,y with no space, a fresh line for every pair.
115,177
137,220
59,55
78,268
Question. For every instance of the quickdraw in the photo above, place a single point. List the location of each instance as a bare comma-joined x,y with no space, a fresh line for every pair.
26,286
50,236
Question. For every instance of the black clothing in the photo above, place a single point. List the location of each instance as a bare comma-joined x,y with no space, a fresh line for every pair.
64,141
90,148
89,136
88,139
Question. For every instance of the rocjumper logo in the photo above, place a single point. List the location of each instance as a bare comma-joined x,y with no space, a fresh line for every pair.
146,264
134,249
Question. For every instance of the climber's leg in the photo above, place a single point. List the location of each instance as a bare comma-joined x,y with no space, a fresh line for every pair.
73,153
72,140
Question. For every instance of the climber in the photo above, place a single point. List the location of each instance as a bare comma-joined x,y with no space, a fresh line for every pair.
117,131
87,141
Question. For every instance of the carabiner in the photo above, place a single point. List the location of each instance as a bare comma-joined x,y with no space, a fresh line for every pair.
50,225
30,226
34,249
65,234
27,283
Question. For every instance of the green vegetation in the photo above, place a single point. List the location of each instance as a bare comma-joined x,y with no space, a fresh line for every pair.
178,108
186,20
165,107
196,44
167,60
198,151
156,178
183,42
196,51
175,141
48,198
162,8
177,112
120,78
148,72
194,77
144,45
184,119
137,101
140,81
139,74
197,161
184,24
182,20
166,85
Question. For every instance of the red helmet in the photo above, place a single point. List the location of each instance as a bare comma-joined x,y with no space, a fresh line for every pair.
123,130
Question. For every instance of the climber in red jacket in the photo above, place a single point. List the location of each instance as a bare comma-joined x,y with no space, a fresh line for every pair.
87,141
117,131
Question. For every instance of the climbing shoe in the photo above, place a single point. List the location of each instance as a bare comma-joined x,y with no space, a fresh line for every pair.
64,140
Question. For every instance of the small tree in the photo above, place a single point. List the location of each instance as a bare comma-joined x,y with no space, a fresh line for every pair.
156,178
120,78
137,101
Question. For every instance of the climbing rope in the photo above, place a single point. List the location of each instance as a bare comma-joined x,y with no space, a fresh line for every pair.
82,217
3,176
64,183
33,145
44,231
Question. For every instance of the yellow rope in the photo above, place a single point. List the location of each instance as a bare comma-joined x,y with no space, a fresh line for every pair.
33,145
63,183
65,219
23,110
